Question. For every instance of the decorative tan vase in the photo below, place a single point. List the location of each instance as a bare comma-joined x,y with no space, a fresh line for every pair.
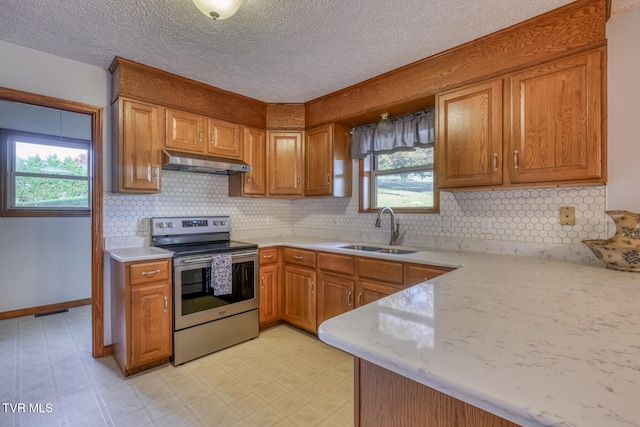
622,251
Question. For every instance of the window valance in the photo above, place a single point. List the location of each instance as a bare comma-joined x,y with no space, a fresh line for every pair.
410,130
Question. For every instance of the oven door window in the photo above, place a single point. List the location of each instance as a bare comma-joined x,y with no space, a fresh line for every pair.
197,293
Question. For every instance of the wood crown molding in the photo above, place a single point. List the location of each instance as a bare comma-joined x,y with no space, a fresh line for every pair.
560,32
134,80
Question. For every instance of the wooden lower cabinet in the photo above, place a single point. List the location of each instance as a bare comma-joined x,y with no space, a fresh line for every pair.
299,297
269,287
336,295
268,294
141,314
384,398
371,291
150,323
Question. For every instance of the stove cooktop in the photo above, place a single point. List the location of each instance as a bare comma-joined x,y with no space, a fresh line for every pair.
202,248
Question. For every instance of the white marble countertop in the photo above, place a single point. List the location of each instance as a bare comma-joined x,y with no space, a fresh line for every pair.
538,342
138,254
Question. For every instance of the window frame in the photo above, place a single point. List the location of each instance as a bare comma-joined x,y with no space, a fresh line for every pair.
367,174
8,138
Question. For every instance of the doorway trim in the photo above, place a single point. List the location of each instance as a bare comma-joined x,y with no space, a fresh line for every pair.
97,236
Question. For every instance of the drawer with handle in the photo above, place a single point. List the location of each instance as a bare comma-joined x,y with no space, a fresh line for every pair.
145,272
268,256
299,257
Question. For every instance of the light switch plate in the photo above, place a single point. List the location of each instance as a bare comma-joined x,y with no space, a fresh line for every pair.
567,215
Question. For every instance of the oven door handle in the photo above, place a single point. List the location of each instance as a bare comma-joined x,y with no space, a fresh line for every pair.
196,260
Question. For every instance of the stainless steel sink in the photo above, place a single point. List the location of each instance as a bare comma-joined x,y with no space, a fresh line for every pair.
362,248
395,251
378,249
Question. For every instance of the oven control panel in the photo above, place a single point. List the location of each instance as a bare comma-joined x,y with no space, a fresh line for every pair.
185,225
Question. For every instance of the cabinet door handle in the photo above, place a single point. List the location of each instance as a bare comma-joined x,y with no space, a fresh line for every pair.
328,178
145,273
359,296
311,288
297,257
149,173
349,299
155,171
298,181
166,304
267,256
213,137
200,134
262,282
495,162
248,181
516,159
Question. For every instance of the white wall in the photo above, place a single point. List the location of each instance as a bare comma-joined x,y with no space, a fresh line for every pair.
48,260
623,32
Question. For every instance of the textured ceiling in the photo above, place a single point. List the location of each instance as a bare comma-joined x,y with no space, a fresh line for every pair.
271,50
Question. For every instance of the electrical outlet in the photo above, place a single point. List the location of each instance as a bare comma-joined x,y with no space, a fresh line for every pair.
143,225
446,224
487,225
567,215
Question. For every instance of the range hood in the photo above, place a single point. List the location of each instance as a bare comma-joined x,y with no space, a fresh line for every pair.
188,162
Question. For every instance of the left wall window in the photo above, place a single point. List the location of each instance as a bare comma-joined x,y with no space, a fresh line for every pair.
46,173
45,161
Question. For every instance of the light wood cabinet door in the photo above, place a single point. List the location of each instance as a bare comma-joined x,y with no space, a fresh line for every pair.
186,131
285,163
336,295
137,148
150,332
370,291
556,128
469,135
255,154
269,297
224,139
318,163
299,299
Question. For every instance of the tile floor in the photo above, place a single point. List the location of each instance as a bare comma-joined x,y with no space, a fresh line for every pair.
283,378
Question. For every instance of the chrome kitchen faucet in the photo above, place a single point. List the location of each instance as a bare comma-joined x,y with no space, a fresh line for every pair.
395,225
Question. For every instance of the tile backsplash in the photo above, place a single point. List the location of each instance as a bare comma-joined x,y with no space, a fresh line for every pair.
524,221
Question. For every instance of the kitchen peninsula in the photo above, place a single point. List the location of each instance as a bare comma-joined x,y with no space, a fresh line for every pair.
535,341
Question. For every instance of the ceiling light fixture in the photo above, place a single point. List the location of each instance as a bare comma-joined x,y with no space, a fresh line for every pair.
384,125
219,9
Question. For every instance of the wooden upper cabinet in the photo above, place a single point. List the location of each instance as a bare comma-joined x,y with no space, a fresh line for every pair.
318,161
136,160
556,128
185,131
224,139
327,164
284,156
469,136
254,183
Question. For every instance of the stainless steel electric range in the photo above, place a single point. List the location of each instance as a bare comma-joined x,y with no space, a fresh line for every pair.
215,283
